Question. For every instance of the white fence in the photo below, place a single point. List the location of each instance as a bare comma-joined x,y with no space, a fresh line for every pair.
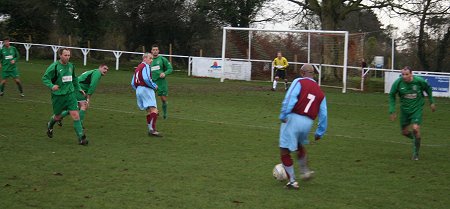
85,51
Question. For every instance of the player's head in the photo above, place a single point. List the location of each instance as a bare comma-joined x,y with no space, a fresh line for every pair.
147,58
103,69
279,54
155,50
407,74
64,55
307,71
6,41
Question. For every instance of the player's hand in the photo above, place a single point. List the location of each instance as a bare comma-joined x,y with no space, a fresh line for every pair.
13,61
433,107
55,88
162,75
393,116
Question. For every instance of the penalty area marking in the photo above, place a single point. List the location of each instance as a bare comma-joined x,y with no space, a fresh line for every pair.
246,125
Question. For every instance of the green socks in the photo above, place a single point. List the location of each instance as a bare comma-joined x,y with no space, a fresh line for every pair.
78,128
82,113
164,107
416,146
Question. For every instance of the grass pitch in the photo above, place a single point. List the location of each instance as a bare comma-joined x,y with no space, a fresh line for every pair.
219,147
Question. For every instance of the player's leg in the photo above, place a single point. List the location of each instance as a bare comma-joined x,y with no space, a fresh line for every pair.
288,142
58,107
72,106
18,82
164,106
147,101
163,93
417,141
83,106
2,86
152,116
275,80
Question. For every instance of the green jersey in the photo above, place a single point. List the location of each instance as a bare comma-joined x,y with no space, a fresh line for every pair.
63,76
160,65
411,94
89,80
6,55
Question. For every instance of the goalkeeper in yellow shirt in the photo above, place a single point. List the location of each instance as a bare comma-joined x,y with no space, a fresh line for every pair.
280,64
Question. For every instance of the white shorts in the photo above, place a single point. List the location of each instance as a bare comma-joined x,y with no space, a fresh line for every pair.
145,97
295,131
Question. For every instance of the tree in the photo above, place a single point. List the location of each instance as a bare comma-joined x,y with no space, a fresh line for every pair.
433,39
236,13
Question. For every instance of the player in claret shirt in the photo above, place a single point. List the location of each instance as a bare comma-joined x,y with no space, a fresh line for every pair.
410,89
145,92
304,101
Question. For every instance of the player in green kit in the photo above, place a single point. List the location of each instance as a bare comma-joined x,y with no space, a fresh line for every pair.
8,57
410,89
60,78
161,67
88,81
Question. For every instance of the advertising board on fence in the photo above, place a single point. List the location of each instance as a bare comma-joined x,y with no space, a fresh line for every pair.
212,68
439,83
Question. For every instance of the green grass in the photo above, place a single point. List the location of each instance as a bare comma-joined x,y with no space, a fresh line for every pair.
219,147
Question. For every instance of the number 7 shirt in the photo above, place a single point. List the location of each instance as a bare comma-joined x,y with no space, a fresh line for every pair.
305,97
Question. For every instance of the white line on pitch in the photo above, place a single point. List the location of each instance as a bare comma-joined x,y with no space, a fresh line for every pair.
247,125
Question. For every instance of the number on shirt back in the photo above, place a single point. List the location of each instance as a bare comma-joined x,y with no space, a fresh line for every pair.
311,98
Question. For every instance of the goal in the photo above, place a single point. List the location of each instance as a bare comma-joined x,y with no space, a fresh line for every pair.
327,51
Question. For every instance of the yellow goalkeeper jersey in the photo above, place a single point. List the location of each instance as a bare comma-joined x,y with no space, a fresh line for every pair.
280,64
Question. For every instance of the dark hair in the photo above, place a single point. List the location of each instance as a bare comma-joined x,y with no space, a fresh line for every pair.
101,65
6,38
408,68
62,49
155,45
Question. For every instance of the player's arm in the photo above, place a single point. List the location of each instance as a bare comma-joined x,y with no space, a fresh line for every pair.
75,83
392,96
132,83
290,99
16,55
147,75
285,63
429,91
323,120
48,76
168,66
95,79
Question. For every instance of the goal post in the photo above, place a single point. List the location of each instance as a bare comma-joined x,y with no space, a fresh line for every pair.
259,47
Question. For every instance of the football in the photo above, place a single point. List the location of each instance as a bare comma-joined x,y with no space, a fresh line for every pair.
279,173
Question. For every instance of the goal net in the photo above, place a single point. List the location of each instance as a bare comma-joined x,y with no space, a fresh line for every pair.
330,52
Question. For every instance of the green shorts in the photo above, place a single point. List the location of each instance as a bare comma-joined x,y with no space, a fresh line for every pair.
410,118
64,102
80,97
10,74
163,89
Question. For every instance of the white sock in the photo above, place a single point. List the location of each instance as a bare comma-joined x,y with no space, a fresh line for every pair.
290,172
274,84
302,162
